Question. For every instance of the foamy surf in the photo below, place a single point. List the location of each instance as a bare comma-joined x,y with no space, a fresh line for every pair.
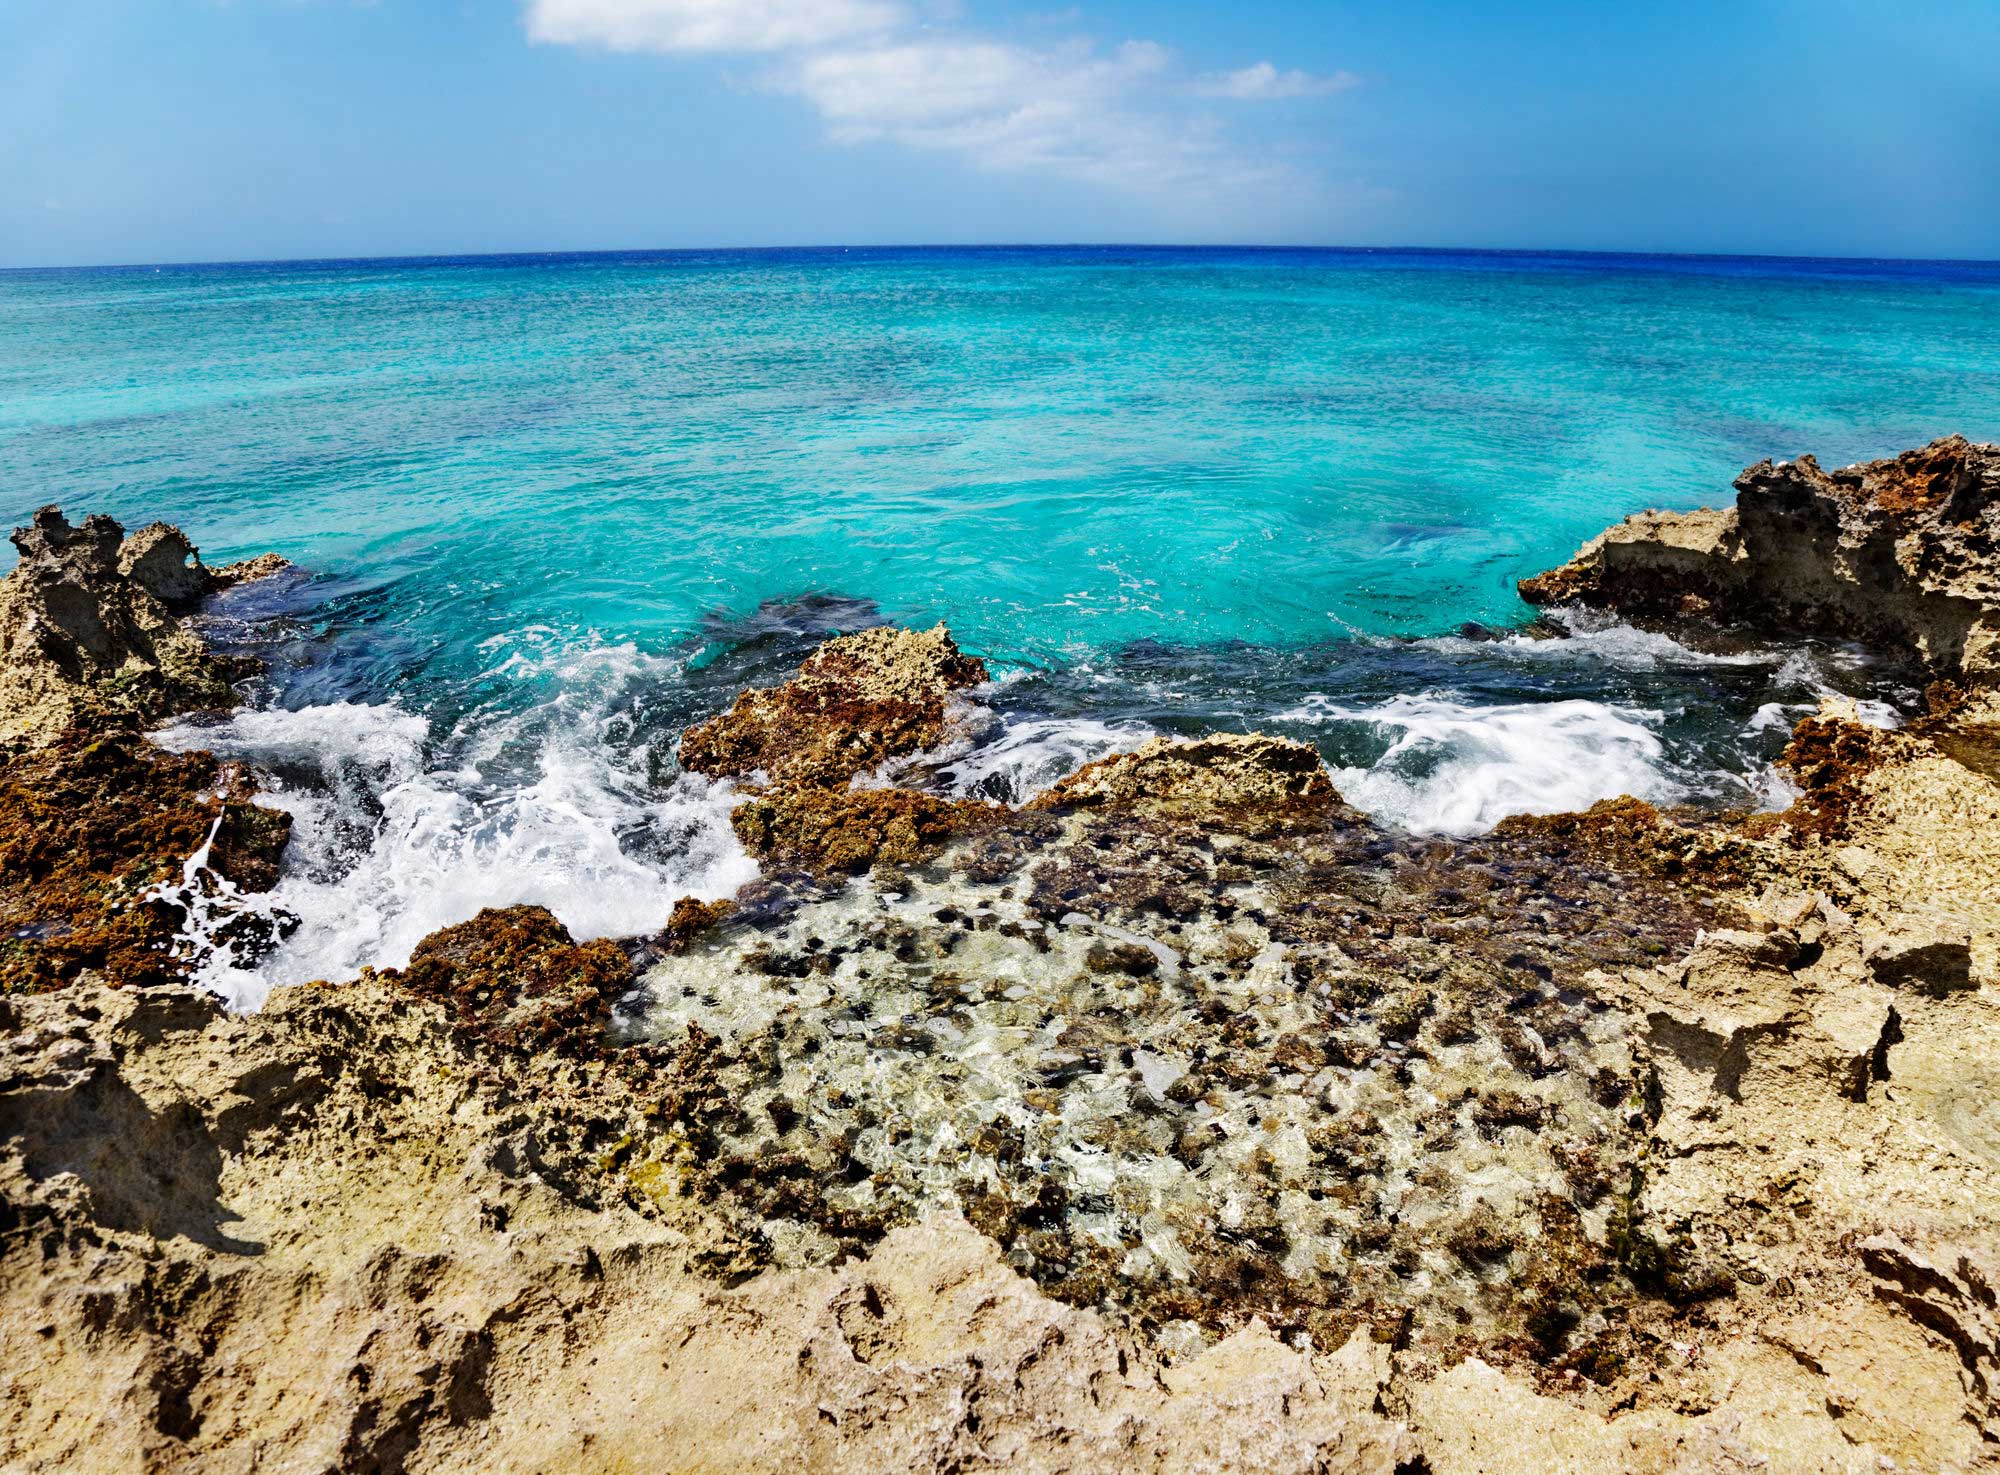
1452,768
395,836
1028,755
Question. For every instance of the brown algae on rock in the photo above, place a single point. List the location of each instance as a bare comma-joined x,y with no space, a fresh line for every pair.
1181,1119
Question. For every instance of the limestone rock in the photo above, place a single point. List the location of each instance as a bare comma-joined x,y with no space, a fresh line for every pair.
856,702
832,830
1221,774
1928,954
91,835
515,976
87,634
160,560
1901,552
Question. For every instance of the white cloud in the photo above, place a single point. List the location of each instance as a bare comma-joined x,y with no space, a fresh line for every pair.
1264,83
708,25
1116,117
1072,111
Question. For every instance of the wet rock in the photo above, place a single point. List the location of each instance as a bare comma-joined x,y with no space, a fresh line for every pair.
91,832
691,917
247,571
1245,777
857,701
1901,552
515,977
830,831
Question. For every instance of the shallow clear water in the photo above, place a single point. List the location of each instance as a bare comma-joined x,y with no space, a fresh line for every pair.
556,507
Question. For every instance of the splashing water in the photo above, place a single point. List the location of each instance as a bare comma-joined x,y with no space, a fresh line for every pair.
395,836
554,510
1456,769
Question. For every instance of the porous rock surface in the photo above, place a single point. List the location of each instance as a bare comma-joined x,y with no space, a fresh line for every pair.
1179,1120
97,826
87,633
1902,552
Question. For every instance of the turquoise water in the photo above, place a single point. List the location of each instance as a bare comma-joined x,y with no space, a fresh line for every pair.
554,507
1057,451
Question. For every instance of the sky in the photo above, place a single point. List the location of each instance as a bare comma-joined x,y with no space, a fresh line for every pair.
138,131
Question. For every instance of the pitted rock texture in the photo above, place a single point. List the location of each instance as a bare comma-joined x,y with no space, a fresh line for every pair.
857,701
515,977
1903,553
1134,1130
343,1235
105,841
88,634
95,840
1247,776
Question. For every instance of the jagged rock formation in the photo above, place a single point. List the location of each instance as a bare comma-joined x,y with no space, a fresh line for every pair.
96,825
84,636
1904,553
93,835
858,702
1178,1120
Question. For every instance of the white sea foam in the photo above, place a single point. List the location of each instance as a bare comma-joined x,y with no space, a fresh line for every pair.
392,841
1457,769
1029,755
1601,639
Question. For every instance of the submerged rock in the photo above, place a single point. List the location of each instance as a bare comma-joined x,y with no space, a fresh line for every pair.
1903,552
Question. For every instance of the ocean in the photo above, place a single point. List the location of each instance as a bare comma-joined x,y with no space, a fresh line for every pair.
548,510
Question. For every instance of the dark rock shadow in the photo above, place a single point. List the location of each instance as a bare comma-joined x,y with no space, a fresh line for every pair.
153,1171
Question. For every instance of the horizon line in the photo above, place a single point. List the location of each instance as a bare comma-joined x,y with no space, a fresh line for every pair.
433,257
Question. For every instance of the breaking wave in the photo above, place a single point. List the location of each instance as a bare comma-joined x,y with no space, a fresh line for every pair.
1452,768
397,832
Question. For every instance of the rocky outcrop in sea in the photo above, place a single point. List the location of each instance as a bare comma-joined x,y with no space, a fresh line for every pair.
1177,1118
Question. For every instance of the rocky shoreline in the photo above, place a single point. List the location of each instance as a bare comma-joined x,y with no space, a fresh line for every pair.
1177,1118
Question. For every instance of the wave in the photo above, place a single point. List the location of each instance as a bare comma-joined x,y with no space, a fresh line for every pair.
1452,768
395,835
1029,755
1590,636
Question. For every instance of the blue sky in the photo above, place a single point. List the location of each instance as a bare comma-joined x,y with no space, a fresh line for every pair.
176,130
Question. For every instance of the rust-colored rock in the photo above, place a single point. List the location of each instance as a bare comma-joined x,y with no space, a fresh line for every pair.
1244,775
842,830
689,919
1829,755
1630,835
857,701
1903,552
514,976
89,830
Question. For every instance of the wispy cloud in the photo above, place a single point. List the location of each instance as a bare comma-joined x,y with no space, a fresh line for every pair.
709,25
1263,82
1111,116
